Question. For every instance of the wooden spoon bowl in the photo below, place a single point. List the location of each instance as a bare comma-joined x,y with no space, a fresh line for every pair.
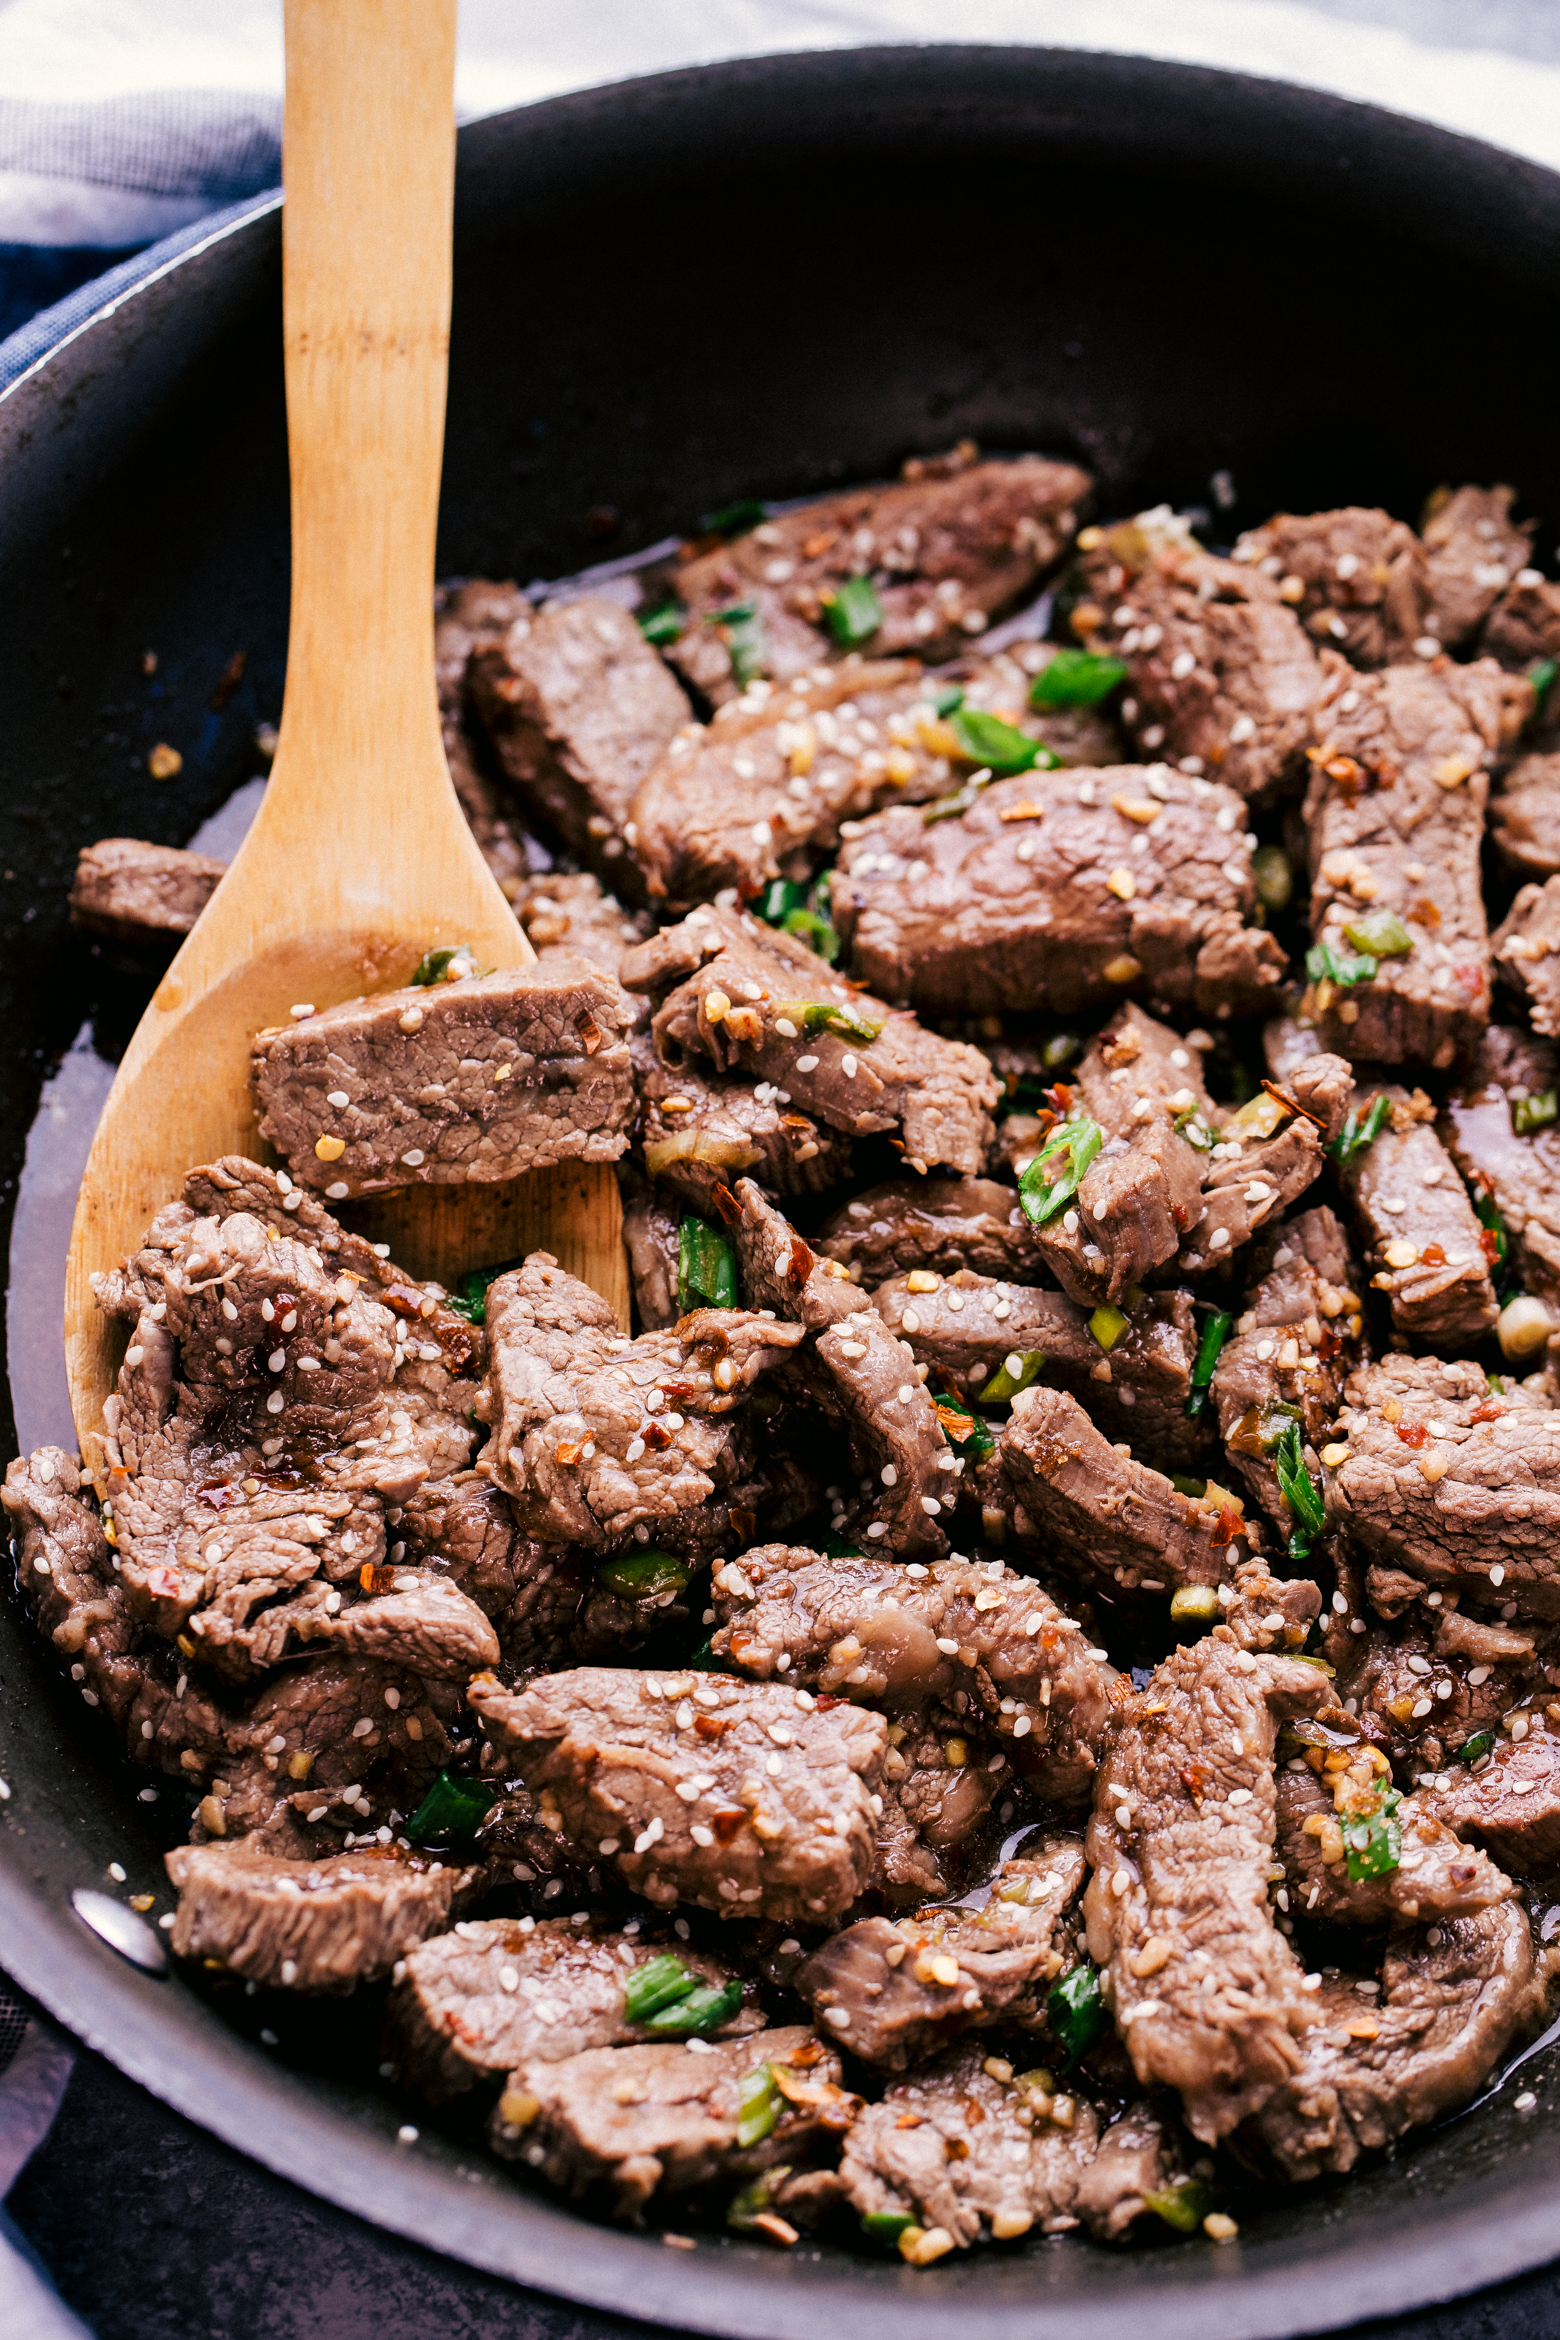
360,859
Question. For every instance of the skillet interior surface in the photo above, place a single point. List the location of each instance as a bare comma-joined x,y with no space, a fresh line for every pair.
762,278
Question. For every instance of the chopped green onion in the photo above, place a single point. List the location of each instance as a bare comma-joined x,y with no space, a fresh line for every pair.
852,612
986,739
451,1811
1480,1744
829,1015
886,2226
1195,1130
663,624
700,2014
1381,934
1541,674
1060,1050
453,965
1183,2204
1194,1489
1272,877
756,2199
469,1299
1076,678
734,519
1497,1383
1374,1846
1298,1657
836,1549
1107,1324
659,1983
643,1575
1077,2010
1324,965
1195,1604
954,807
965,1432
779,898
704,1661
758,2105
945,700
1215,1333
706,1267
1359,1131
1005,1383
815,931
1299,1491
1534,1112
785,904
1051,1180
743,630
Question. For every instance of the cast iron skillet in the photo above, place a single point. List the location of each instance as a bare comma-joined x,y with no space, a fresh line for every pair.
765,278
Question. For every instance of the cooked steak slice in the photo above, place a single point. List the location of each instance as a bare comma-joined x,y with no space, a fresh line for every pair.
498,1992
700,1128
740,994
1519,1174
945,550
972,2156
940,1224
578,707
321,1926
594,1433
1356,579
965,1327
1206,1993
337,1748
1452,1485
1525,815
894,1994
1263,1611
531,1592
1294,1345
1508,1800
779,1271
1394,821
1219,670
1454,1997
650,1237
469,617
1058,891
778,1820
479,1079
763,791
961,1629
573,916
1474,549
632,2121
1433,1874
1524,945
1418,1227
1524,625
136,894
898,1439
1103,1515
1426,1683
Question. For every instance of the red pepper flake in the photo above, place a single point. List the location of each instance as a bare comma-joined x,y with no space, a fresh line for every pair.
1293,1104
1423,914
728,1819
569,1453
1433,1255
590,1033
1412,1433
1490,1411
727,1205
710,1726
1228,1526
373,1577
1345,771
800,1264
163,1583
1471,976
1195,1778
655,1437
1489,1244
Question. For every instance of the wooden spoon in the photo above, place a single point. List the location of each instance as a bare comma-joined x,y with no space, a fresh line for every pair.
359,860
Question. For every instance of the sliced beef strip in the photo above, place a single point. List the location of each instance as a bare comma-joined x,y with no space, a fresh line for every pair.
970,2157
1263,1611
1394,820
966,1326
763,792
698,1128
937,1224
479,1079
946,550
1426,1681
940,1094
894,1994
1508,1801
594,1434
1524,815
497,1992
1419,1231
1474,550
140,895
898,1440
1454,1997
1356,578
1059,891
612,1747
1520,1175
1436,1875
650,1237
941,1779
573,916
469,617
1524,625
781,1272
872,1631
1450,1484
577,707
1525,946
1104,1515
531,1593
1205,1991
632,2121
1243,705
1296,1341
320,1925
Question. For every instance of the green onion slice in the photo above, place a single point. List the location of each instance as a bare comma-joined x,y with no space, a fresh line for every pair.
1215,1333
758,2105
663,624
1059,1169
734,519
1381,934
852,612
949,696
1077,2011
469,1299
885,2226
1005,1383
1107,1324
706,1267
1183,2204
742,629
451,1811
986,739
1359,1131
1535,1111
452,965
644,1574
1076,678
1272,877
829,1015
1299,1491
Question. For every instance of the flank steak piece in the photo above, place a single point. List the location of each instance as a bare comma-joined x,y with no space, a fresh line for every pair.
1474,551
468,618
936,1224
1514,1172
1524,816
699,1129
308,1925
1418,1228
140,895
1355,578
1526,946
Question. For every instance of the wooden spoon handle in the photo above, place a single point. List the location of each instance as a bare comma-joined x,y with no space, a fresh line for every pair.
368,163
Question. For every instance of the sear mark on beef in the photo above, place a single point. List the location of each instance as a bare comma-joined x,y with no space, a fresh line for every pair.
1435,1876
1519,1174
480,1079
308,1925
1525,945
742,995
594,1434
633,2121
866,1629
1058,891
577,708
611,1748
1422,1239
1356,579
1474,550
946,548
497,1992
1206,1993
699,1129
138,895
939,1224
896,1993
1524,815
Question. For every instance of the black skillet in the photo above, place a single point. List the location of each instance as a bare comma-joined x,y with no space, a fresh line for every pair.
760,278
